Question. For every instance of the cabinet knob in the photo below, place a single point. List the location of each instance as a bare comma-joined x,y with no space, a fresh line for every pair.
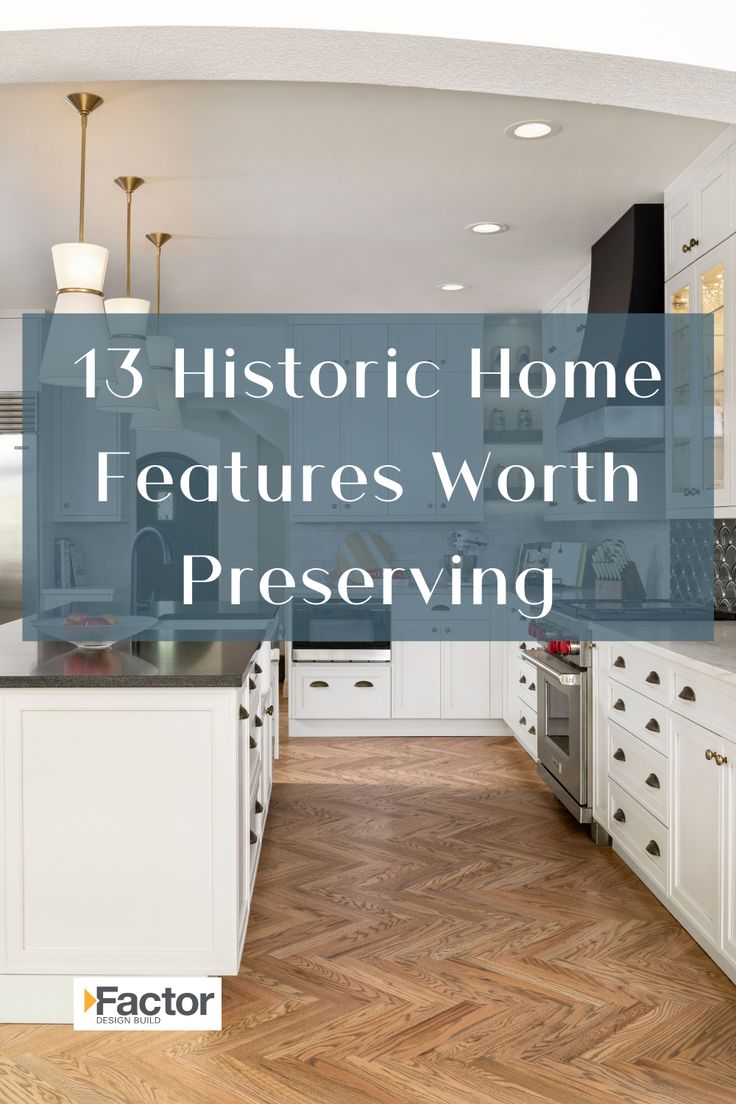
430,505
243,713
690,245
619,755
652,725
443,505
522,720
721,760
532,686
709,754
252,744
447,629
66,506
434,628
620,705
619,661
334,505
687,694
620,816
653,848
269,710
253,838
522,680
653,782
652,678
258,722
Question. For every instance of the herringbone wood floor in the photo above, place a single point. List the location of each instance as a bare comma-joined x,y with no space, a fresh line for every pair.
428,926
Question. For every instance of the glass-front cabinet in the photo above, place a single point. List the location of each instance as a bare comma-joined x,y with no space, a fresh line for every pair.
701,451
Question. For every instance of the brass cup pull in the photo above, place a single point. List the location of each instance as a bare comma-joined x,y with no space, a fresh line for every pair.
652,678
522,647
319,684
653,781
620,816
687,694
253,838
258,722
522,720
619,661
522,679
709,754
364,683
721,760
243,713
620,755
653,848
532,686
652,725
532,730
619,704
251,684
252,744
257,668
258,807
269,710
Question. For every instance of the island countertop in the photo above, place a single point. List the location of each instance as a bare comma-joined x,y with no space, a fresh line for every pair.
159,663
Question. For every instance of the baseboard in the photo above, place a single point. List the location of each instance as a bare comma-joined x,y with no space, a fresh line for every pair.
36,998
350,727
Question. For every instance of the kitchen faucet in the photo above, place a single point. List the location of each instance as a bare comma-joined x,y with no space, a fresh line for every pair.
167,557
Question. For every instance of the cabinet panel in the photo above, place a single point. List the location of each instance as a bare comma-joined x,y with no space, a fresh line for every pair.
728,892
364,432
697,801
465,677
317,422
416,679
679,215
712,214
413,424
459,418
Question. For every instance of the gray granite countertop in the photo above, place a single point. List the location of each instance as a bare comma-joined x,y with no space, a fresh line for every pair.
156,663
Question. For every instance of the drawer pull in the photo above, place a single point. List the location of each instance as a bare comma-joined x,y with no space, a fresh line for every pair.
653,849
687,693
522,647
253,838
619,661
361,683
258,808
319,684
619,704
269,710
652,725
653,781
243,713
258,722
532,686
257,668
522,720
251,684
441,607
619,755
652,678
252,744
522,679
709,754
620,816
721,760
532,730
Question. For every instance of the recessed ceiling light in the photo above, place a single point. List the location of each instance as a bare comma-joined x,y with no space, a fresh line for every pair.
533,128
452,287
487,227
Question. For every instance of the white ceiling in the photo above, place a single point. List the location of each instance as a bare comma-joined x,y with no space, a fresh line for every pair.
325,197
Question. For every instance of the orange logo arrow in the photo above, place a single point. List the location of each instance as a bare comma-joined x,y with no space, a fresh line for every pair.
89,1000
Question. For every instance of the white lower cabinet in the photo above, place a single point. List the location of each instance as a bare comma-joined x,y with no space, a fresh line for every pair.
670,798
466,682
416,685
698,824
448,680
520,695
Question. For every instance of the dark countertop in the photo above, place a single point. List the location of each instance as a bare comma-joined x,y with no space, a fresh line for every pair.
25,663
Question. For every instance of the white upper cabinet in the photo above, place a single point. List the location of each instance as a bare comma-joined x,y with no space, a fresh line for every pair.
700,207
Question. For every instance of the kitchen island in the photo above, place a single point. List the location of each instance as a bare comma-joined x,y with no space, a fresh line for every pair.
135,788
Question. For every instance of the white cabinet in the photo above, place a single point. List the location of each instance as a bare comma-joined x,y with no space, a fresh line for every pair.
365,422
316,436
466,677
416,683
446,679
699,215
697,820
82,432
412,424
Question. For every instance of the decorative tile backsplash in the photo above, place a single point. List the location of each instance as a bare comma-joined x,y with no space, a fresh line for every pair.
724,566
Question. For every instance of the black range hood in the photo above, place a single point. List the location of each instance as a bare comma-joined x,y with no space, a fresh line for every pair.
626,290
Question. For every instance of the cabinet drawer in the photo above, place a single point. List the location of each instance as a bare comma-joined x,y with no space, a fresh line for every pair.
525,683
631,710
639,669
641,770
527,721
709,703
342,690
645,840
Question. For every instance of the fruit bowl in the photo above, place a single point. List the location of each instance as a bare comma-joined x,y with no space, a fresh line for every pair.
94,633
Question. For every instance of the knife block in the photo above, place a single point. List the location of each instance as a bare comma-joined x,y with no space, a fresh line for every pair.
609,588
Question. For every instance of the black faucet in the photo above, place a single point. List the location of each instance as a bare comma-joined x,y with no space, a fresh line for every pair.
147,530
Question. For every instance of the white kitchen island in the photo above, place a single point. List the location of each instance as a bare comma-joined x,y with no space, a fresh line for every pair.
133,814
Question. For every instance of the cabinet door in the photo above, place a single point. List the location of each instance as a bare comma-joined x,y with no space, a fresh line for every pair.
712,213
684,444
317,422
416,679
728,883
466,672
365,420
713,275
697,803
459,418
679,231
82,432
412,423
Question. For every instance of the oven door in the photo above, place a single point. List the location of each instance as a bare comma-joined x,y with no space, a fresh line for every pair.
337,632
561,731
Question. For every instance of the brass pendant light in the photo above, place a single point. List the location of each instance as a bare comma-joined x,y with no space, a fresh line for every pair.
161,359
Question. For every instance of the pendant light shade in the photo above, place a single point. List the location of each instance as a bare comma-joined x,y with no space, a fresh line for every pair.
127,321
161,351
80,276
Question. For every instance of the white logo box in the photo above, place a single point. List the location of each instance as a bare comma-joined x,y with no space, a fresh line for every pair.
123,1003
